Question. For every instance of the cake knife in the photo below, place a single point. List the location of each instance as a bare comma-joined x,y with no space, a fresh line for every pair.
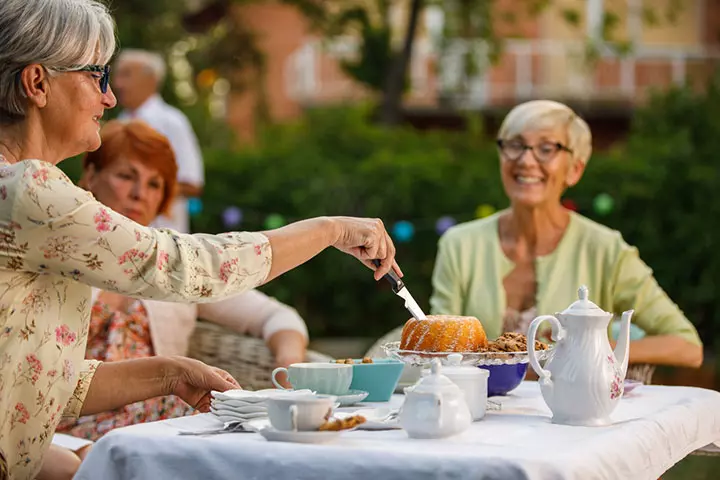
401,291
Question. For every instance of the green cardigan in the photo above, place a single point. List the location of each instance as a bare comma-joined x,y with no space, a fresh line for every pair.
470,267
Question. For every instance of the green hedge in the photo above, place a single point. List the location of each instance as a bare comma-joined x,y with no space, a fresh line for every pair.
336,163
671,199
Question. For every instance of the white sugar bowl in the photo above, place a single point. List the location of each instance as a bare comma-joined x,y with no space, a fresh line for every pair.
473,381
434,407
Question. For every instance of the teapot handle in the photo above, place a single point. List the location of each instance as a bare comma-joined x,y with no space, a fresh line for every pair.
557,334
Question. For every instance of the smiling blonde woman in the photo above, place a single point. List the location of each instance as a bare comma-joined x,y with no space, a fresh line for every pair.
530,259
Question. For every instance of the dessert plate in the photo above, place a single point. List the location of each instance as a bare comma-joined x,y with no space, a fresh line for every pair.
423,359
630,385
351,398
273,435
382,418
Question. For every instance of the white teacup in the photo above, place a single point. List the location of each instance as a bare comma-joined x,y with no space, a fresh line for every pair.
299,412
327,378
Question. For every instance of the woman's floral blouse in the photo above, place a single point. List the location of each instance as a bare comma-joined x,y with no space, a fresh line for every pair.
116,334
56,241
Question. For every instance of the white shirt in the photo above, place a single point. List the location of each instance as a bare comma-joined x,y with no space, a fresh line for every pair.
172,123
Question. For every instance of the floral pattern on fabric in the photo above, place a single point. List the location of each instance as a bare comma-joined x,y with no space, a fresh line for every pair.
122,335
56,241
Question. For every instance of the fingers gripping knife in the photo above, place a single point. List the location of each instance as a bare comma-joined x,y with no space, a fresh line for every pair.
401,291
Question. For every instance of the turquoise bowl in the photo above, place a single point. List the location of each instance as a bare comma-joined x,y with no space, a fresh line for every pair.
379,378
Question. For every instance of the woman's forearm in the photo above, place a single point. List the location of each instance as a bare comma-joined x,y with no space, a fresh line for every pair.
287,346
116,384
666,350
297,243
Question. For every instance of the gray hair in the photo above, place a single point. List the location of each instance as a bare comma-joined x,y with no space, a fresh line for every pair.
547,114
58,34
151,60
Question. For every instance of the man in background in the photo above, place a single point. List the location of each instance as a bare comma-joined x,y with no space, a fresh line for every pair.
138,76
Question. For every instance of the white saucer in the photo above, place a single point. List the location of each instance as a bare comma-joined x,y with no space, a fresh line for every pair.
374,418
273,435
352,397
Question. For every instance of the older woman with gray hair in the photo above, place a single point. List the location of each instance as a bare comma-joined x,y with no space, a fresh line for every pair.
530,259
56,240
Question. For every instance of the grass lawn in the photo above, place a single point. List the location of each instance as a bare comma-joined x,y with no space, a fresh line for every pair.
695,468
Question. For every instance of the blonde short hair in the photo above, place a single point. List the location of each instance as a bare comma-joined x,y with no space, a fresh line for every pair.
547,114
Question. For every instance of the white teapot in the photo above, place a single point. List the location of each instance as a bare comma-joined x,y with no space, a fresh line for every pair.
434,407
582,381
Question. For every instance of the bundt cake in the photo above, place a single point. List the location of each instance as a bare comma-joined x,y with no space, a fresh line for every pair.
443,333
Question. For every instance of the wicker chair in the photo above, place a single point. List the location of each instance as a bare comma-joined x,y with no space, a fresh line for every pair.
246,358
642,372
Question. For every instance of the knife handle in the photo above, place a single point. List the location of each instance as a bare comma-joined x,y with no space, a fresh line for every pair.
392,278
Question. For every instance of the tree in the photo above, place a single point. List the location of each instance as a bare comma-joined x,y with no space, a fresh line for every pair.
477,21
146,24
201,46
370,67
390,112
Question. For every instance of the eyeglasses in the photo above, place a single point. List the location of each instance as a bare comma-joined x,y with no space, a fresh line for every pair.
103,70
543,152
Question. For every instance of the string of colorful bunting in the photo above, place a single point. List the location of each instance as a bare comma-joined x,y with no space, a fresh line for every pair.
403,230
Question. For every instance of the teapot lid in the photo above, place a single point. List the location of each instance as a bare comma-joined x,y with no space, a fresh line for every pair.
583,306
434,382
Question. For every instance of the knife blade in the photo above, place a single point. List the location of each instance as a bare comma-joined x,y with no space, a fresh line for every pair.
398,286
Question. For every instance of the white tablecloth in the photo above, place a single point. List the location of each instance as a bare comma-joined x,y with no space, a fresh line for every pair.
654,428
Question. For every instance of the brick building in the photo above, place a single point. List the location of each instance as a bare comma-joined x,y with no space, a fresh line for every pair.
543,57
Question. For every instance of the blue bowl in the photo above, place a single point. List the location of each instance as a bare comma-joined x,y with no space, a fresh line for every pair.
379,378
504,378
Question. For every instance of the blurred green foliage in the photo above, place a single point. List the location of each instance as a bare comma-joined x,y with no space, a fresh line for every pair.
335,162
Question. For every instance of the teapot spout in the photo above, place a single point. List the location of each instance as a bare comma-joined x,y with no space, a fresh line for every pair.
622,349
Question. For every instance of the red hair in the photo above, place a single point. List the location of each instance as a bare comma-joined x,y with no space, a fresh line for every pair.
136,139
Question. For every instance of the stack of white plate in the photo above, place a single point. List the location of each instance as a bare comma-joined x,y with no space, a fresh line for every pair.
244,405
